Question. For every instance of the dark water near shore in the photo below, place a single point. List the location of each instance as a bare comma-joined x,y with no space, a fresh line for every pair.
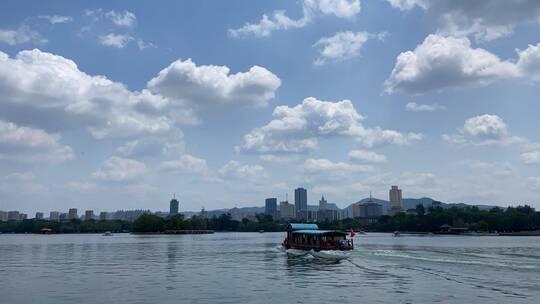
251,268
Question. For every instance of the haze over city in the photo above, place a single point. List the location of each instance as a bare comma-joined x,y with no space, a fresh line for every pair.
118,105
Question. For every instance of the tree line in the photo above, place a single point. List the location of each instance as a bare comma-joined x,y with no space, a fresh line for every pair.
512,219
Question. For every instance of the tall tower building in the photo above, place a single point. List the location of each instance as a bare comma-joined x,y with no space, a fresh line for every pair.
39,215
270,207
72,214
396,200
300,199
173,206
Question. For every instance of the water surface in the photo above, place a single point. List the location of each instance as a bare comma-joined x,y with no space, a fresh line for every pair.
252,268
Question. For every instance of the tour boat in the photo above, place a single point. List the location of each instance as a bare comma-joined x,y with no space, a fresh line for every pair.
303,239
107,233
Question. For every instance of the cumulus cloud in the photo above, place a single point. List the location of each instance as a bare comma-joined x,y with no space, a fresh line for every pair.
485,20
416,107
325,166
151,146
530,157
444,62
235,170
54,94
297,129
208,86
483,130
340,46
116,40
186,163
278,20
26,144
119,169
23,34
55,19
366,156
125,18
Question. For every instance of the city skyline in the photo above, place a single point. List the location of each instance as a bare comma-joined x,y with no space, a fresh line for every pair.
117,105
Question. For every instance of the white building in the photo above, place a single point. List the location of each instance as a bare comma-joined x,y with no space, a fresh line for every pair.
54,216
286,210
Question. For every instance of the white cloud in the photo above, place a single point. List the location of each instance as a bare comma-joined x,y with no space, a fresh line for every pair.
235,170
445,62
278,159
338,8
116,40
186,163
55,19
534,183
23,34
528,62
26,144
297,129
210,86
530,157
484,130
366,156
340,46
325,166
310,9
125,18
408,4
172,144
485,20
54,94
416,107
79,187
120,169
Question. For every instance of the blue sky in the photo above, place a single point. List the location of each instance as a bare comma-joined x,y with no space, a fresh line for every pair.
118,105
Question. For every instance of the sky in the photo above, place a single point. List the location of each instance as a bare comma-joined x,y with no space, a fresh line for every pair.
111,105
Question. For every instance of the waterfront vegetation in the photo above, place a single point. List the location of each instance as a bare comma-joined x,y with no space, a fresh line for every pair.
513,219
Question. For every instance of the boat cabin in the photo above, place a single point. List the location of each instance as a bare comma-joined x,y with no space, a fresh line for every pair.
308,237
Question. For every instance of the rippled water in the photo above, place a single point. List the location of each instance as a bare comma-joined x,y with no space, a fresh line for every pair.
252,268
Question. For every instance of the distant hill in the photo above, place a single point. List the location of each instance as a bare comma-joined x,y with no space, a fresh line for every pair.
408,203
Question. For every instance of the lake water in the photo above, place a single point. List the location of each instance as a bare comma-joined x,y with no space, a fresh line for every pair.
252,268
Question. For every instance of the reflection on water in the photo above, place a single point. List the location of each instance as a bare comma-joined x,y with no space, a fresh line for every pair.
252,268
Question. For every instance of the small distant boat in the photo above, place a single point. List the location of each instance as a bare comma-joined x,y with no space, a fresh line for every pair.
303,239
261,231
397,233
107,233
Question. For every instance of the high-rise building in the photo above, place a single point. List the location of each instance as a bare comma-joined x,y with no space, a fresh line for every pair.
72,214
286,210
103,216
396,200
270,207
173,206
88,215
39,215
13,216
300,199
3,216
323,204
54,216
